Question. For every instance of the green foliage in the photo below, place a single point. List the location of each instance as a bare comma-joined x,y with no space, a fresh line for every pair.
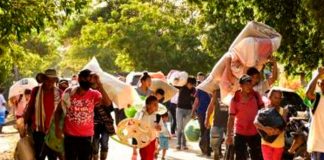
22,16
140,36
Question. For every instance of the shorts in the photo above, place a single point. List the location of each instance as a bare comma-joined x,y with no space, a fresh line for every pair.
164,142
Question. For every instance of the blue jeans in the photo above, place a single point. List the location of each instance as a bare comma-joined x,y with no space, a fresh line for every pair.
216,138
183,117
101,138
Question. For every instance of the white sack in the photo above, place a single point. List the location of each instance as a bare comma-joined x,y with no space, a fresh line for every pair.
252,47
119,92
177,78
19,87
169,91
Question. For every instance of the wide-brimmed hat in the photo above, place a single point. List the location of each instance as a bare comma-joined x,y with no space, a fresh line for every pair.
49,73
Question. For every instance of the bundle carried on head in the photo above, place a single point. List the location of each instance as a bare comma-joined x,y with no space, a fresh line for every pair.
252,48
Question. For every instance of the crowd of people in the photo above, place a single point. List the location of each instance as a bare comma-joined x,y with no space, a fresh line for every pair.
81,113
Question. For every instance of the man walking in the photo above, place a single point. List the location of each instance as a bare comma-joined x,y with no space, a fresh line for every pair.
243,109
79,103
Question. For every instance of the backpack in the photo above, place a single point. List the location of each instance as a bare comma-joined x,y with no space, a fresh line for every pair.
255,94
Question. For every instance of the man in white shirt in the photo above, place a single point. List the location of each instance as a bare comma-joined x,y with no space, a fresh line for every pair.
315,142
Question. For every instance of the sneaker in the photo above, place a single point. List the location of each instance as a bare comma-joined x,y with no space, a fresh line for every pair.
185,148
178,148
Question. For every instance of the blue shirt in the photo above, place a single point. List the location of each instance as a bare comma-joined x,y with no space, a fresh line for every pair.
204,100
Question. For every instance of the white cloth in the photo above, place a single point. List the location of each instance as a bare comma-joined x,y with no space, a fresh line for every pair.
175,98
316,131
262,87
164,130
40,108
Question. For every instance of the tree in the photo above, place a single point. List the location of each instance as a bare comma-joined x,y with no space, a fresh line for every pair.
22,16
143,36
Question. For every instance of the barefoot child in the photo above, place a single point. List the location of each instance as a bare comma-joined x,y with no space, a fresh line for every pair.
148,116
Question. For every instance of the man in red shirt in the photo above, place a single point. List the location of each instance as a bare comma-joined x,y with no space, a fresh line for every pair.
243,109
79,115
43,101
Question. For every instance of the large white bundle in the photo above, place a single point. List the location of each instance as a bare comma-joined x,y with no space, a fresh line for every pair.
252,47
119,92
169,91
177,78
24,149
20,86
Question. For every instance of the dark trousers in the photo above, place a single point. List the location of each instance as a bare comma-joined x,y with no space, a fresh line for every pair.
204,142
41,150
172,110
119,115
77,148
253,142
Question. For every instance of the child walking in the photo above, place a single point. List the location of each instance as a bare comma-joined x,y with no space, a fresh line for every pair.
149,116
274,150
164,136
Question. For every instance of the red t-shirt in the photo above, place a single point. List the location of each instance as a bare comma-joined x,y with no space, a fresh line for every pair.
48,100
245,112
79,115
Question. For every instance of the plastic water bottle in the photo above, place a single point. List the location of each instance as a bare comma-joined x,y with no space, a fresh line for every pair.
2,115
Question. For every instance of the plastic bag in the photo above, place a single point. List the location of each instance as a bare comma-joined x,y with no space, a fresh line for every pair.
52,141
192,131
271,118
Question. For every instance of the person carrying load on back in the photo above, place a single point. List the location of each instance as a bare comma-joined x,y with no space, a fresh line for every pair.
315,140
184,109
244,107
78,105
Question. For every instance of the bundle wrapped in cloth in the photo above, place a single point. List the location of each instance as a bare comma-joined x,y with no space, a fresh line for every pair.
169,91
252,48
177,78
270,117
121,94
